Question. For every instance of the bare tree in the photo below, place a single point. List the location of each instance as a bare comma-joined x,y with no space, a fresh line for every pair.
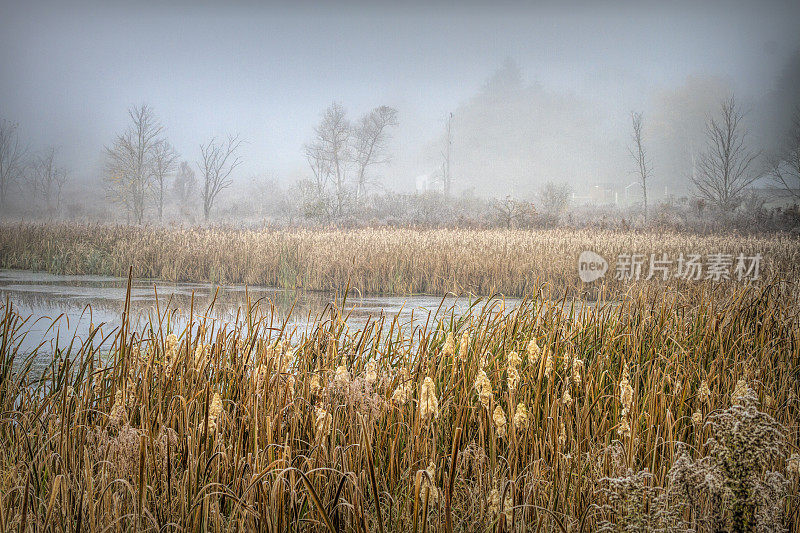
184,186
643,167
12,155
370,139
165,162
785,166
333,135
724,170
217,161
129,161
512,213
329,157
49,180
314,190
554,200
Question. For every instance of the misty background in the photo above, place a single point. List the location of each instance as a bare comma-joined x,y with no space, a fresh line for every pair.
533,95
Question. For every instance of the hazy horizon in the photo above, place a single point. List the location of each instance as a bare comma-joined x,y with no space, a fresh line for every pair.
268,72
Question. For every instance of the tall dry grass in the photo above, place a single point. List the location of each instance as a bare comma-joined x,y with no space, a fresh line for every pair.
380,261
531,420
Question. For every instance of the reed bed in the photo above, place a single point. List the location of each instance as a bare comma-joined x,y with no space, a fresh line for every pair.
377,261
659,413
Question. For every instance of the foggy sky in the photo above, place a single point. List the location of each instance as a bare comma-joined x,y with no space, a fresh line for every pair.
68,72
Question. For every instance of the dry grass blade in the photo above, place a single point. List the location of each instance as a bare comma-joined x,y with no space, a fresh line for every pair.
317,502
372,478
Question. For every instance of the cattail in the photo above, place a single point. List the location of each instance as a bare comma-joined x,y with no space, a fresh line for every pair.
214,414
499,418
513,378
322,422
484,388
625,390
624,428
130,394
428,403
562,435
494,502
170,353
171,341
566,398
286,359
198,354
341,378
521,416
118,415
533,352
404,390
449,348
740,390
577,371
513,370
316,384
463,347
371,375
769,401
704,394
697,418
430,482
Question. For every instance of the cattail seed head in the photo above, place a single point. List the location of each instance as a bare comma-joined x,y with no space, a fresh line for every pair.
215,414
566,398
625,390
371,372
499,418
449,348
534,352
521,416
704,393
463,347
404,390
118,415
341,377
577,371
494,502
316,384
740,390
322,422
428,403
484,388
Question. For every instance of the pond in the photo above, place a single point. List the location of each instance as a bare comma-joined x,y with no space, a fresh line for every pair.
61,307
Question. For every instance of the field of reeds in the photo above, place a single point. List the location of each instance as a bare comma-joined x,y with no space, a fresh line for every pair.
376,261
653,414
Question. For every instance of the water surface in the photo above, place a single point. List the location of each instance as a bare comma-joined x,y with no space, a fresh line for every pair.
61,307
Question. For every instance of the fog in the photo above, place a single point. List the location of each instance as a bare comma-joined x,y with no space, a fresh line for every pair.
538,93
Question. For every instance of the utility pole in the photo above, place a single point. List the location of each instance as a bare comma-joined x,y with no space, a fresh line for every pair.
448,149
